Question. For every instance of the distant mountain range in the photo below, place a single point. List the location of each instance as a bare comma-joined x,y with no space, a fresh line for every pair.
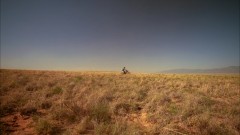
230,70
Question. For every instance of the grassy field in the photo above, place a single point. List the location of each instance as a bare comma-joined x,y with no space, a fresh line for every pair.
99,103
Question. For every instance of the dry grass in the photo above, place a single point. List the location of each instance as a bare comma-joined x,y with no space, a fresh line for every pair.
116,104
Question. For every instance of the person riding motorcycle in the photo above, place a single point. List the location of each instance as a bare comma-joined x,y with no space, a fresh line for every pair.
124,70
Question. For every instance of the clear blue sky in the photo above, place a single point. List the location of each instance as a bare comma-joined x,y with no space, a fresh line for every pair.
143,35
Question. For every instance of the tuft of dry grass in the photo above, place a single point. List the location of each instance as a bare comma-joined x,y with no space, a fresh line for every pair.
44,127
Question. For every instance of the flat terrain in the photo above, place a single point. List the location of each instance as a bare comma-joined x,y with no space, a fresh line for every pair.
71,103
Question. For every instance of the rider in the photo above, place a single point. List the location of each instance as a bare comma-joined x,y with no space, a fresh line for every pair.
124,70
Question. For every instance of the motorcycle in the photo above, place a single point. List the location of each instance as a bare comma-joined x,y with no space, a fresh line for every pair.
125,72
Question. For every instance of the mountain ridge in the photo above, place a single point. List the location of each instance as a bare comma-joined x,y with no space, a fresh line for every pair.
229,69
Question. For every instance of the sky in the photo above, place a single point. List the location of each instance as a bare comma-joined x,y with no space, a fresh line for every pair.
106,35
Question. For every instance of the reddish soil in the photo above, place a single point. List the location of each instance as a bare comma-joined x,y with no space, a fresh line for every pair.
15,124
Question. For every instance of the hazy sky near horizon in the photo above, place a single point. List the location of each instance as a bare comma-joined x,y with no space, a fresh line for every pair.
143,35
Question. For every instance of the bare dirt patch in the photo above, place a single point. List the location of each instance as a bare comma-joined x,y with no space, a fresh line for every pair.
17,124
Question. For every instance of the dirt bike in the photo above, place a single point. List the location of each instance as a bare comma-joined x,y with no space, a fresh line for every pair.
125,72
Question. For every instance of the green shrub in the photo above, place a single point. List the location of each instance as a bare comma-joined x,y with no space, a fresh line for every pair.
44,127
206,101
122,109
78,78
57,90
64,114
22,81
103,129
32,87
173,109
125,108
142,94
100,113
46,105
